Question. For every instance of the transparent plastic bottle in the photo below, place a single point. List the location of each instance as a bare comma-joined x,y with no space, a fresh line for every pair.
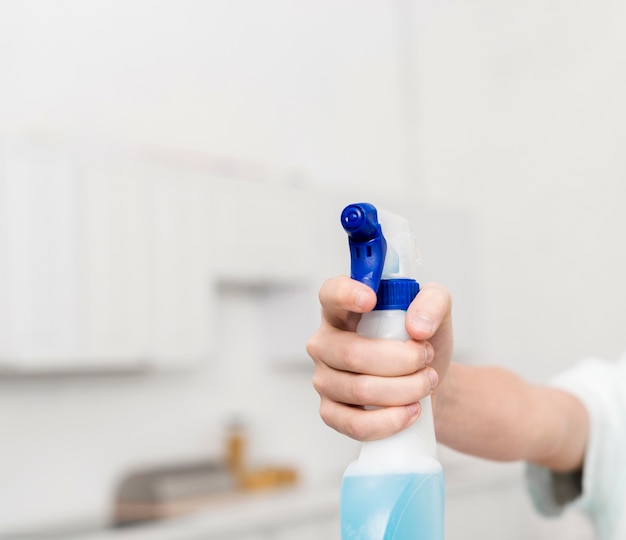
395,489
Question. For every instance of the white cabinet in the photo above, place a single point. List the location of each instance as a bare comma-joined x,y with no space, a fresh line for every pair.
110,259
113,253
39,263
183,285
104,261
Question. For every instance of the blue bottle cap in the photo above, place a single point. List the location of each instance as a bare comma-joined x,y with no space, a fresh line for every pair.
396,294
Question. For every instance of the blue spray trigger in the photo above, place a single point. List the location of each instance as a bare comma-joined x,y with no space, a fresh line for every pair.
368,246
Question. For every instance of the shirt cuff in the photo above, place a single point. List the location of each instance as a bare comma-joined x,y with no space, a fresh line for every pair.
552,491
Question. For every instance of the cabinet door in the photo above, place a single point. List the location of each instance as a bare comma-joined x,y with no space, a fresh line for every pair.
105,260
39,285
148,295
116,275
182,255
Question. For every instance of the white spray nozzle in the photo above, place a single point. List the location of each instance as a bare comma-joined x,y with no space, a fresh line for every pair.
402,252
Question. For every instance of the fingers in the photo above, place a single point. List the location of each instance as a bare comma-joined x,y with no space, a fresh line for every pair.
348,351
367,425
352,372
362,390
337,345
343,300
430,309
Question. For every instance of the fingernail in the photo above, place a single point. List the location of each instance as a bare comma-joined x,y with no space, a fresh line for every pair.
428,356
434,378
414,408
361,299
421,322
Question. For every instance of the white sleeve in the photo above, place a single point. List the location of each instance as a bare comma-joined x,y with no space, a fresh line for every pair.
600,488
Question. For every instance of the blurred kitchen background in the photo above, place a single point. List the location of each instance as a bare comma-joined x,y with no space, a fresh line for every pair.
171,176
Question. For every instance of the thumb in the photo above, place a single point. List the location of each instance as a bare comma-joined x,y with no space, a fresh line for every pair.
428,311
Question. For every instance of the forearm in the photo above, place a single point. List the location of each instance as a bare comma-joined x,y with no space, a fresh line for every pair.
491,413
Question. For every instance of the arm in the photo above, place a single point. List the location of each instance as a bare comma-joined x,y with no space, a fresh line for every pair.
490,412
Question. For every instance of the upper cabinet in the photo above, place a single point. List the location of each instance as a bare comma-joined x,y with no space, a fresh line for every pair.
40,275
105,261
113,260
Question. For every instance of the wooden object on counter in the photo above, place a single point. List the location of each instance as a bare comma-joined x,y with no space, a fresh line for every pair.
252,479
269,477
236,449
174,490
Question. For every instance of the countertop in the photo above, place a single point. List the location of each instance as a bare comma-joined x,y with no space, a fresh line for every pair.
236,515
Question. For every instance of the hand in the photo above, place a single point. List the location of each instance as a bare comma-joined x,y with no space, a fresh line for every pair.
352,371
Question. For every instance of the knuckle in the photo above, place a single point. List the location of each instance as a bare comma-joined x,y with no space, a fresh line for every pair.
324,411
312,346
415,360
327,414
356,428
352,354
362,390
318,382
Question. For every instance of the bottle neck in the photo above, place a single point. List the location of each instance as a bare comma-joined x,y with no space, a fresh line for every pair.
384,324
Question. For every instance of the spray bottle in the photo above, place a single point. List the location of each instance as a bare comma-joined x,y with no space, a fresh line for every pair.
395,489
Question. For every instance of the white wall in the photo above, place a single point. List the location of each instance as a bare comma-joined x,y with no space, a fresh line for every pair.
522,120
515,120
271,92
309,87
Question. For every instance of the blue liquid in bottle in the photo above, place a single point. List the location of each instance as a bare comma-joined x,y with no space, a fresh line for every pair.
406,506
